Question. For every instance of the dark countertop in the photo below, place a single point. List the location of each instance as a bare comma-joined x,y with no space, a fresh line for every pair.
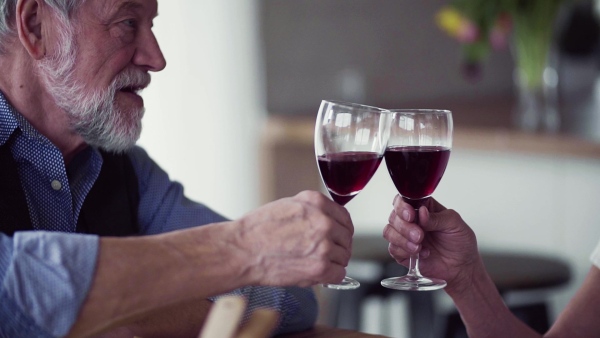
482,123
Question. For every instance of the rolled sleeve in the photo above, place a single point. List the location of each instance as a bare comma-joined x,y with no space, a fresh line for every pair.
46,277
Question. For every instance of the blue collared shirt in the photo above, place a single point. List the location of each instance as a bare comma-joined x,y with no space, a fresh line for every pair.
46,274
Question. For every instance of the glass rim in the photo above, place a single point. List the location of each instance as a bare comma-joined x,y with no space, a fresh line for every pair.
418,111
355,105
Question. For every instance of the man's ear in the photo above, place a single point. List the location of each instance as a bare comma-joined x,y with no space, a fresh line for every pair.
29,26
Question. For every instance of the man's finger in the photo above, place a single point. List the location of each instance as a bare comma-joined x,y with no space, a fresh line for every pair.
339,255
341,236
334,275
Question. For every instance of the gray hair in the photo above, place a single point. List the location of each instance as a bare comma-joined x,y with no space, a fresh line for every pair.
63,8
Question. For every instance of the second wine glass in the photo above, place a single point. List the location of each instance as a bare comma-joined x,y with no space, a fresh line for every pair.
417,154
350,140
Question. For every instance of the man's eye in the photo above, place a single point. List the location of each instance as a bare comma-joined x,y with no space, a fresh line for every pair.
129,23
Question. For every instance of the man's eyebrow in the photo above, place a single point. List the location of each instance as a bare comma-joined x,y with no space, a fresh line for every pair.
127,6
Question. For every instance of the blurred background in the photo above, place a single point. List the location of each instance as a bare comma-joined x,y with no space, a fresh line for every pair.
231,117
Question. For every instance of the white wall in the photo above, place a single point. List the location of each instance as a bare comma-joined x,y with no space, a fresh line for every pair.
204,109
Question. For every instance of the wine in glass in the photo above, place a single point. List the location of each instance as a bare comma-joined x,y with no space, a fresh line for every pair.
417,154
350,140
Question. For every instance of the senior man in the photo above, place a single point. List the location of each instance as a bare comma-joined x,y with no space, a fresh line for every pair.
76,194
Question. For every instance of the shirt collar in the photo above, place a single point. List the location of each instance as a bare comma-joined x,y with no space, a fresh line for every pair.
11,120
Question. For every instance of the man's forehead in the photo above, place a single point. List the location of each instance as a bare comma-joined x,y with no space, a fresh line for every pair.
114,7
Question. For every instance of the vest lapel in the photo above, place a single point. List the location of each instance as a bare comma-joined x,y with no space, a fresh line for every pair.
110,209
14,213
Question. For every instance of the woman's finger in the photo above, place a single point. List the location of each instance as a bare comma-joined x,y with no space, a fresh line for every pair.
399,254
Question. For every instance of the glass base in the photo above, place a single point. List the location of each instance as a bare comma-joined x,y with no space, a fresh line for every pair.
346,284
413,283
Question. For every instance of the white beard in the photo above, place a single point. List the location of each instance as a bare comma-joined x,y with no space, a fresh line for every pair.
93,115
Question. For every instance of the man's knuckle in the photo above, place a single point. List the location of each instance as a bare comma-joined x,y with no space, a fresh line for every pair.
309,195
324,249
319,268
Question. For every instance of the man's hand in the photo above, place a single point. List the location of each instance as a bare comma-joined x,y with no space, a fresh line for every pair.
447,245
302,240
298,241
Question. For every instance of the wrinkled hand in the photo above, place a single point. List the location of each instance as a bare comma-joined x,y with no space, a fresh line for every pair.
447,245
302,240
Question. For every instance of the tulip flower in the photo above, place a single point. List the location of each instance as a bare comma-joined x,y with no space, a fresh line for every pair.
500,32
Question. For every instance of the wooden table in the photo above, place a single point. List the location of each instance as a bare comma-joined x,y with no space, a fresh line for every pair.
329,332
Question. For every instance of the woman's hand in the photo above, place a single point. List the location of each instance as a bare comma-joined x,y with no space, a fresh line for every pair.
447,245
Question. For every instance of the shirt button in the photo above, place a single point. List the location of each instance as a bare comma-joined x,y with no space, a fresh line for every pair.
56,185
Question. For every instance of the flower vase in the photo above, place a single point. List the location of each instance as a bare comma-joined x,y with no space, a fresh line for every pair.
537,107
536,81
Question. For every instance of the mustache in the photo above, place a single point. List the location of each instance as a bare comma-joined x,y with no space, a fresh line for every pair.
131,79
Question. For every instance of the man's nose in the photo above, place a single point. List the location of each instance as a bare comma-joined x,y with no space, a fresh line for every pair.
148,54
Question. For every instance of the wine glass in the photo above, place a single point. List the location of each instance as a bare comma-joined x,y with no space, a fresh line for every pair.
350,140
417,154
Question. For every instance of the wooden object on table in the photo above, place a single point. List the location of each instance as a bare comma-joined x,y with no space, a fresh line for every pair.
262,323
328,332
226,315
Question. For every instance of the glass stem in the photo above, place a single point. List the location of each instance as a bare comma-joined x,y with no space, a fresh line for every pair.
413,268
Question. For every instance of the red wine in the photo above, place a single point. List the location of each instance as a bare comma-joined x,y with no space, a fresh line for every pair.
416,171
346,174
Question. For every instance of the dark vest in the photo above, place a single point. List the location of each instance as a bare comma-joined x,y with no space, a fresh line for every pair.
110,208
